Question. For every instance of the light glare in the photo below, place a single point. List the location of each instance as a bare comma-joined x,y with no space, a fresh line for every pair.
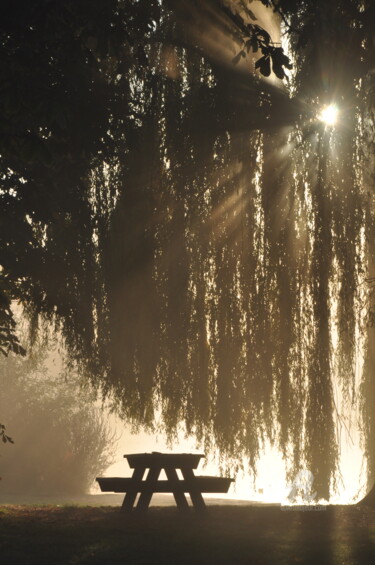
329,115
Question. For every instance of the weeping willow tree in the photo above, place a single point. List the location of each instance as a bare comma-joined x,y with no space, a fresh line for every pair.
203,242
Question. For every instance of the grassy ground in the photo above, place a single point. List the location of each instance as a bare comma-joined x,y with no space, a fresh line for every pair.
233,535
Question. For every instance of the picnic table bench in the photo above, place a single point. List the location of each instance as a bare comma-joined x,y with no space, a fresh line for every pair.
154,462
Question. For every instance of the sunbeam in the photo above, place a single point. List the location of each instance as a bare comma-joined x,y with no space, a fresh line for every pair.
329,115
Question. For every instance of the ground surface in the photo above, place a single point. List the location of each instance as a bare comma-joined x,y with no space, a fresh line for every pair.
107,499
233,535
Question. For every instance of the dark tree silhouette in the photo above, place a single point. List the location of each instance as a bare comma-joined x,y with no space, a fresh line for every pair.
199,237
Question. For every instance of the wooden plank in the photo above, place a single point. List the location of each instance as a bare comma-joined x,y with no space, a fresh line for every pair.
150,484
210,484
195,491
176,460
173,483
132,491
115,484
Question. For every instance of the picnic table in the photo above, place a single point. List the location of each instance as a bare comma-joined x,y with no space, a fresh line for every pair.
153,463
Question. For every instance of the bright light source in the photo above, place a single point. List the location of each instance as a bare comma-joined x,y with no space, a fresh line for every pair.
329,115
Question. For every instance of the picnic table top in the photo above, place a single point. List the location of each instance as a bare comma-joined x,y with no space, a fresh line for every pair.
176,460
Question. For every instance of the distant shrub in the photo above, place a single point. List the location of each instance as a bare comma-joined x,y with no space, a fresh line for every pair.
62,440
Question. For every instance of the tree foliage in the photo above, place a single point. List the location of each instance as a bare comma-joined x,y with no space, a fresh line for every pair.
198,236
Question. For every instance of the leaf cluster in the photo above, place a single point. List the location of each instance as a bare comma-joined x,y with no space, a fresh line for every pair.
254,39
3,436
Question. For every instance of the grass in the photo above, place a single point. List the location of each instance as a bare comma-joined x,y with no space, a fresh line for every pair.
233,535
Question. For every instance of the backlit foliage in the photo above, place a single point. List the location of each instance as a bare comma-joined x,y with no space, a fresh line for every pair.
199,237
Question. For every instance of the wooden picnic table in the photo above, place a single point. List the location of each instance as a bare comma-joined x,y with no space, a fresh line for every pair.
154,463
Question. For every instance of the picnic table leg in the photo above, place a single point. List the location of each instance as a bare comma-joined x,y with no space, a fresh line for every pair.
180,498
131,495
145,498
195,493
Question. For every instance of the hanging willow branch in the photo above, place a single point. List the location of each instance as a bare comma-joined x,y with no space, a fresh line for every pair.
204,259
